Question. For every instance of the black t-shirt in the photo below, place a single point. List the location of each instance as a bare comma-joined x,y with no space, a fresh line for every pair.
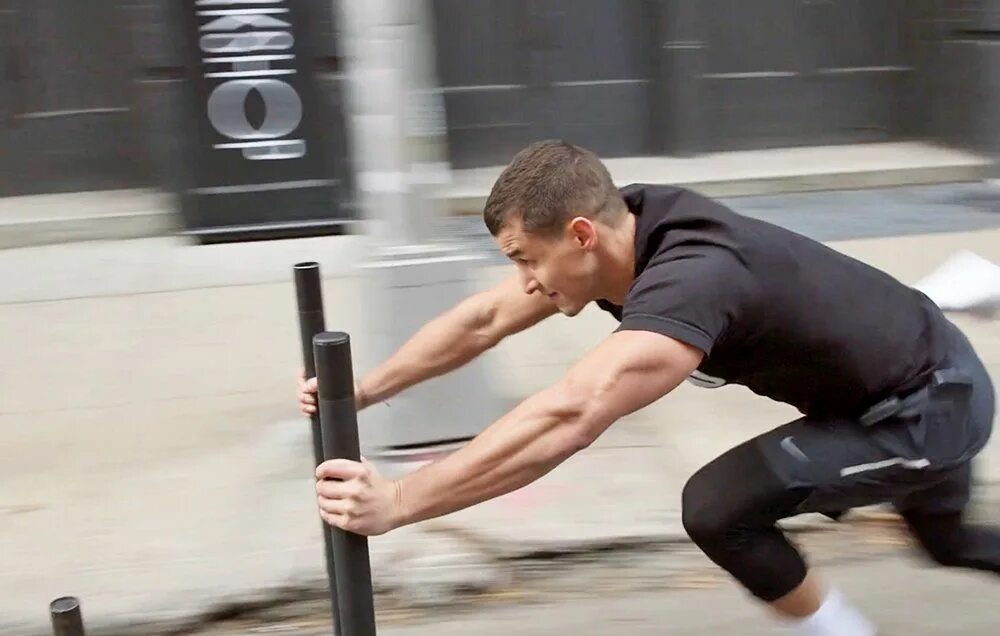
775,311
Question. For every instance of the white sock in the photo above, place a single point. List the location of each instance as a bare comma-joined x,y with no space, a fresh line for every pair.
835,617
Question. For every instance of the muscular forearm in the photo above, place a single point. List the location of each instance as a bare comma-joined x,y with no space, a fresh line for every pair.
627,372
519,448
442,345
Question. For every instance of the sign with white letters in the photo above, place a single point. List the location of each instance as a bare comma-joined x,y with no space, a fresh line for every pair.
261,129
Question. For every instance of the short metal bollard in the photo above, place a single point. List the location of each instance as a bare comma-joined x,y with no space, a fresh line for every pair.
309,294
66,617
339,422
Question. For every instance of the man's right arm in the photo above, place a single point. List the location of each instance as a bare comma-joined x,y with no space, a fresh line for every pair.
447,342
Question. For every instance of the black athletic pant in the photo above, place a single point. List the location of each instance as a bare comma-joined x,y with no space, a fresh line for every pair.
919,461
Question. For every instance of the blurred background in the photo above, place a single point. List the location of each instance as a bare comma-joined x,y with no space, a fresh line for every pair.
165,163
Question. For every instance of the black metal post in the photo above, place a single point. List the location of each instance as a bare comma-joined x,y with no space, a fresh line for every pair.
339,421
66,617
309,294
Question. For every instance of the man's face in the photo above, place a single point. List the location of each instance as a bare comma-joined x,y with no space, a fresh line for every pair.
561,267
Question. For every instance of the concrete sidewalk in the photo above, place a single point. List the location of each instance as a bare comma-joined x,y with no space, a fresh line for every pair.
770,171
901,594
153,464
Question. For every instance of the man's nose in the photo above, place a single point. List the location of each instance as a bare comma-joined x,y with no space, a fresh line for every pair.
530,284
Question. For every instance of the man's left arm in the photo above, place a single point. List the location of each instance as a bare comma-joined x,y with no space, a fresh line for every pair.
628,371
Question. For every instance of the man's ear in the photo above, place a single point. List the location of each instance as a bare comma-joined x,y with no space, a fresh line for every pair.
584,232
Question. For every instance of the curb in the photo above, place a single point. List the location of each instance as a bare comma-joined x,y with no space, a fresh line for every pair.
472,204
144,214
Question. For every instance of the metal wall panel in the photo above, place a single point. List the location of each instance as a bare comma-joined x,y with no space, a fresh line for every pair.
483,64
958,58
68,121
680,121
636,77
593,74
515,71
794,72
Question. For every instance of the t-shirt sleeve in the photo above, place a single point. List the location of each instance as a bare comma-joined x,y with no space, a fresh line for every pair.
694,299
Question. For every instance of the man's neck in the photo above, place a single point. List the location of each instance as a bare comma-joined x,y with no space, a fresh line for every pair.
621,261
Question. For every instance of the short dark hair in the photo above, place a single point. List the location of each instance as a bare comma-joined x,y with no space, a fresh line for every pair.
548,183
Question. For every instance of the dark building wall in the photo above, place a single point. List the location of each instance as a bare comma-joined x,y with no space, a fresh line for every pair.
92,93
245,172
520,70
96,94
638,77
67,117
958,55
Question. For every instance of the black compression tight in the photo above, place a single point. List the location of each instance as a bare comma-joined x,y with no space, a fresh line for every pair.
730,508
952,542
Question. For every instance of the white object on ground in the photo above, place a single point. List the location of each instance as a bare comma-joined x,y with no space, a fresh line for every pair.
835,617
965,282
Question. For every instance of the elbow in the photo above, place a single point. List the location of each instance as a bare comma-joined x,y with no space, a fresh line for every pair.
481,332
585,412
484,339
591,424
569,440
568,417
579,439
582,423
